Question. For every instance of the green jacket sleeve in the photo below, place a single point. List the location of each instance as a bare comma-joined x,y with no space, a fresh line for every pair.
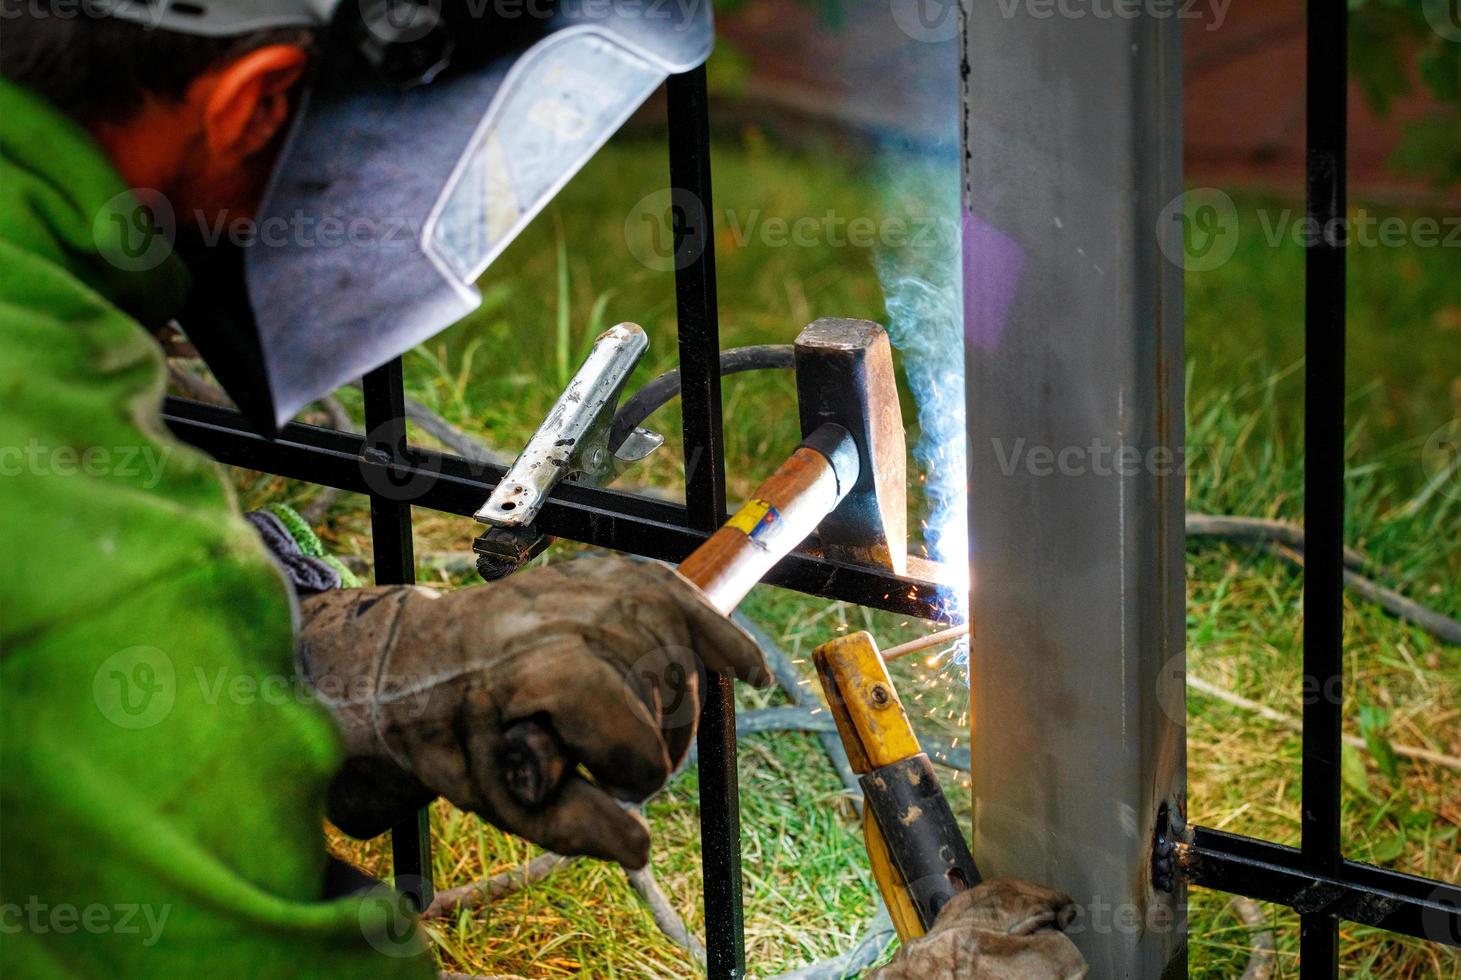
162,772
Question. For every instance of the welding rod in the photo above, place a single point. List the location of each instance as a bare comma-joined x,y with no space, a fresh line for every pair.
924,642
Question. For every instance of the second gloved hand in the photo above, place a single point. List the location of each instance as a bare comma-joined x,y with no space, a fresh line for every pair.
1003,929
608,654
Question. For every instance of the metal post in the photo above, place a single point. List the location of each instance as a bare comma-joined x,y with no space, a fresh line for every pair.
1073,327
1321,845
395,564
694,243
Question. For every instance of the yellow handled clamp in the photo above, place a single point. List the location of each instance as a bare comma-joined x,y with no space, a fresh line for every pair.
919,856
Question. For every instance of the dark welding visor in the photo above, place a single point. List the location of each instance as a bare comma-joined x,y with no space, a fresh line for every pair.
430,135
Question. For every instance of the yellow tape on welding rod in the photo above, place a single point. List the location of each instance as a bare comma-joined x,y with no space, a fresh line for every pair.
750,516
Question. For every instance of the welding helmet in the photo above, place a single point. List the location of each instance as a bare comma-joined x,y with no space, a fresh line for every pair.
429,134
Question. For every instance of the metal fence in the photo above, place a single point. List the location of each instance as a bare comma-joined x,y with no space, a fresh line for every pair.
1315,879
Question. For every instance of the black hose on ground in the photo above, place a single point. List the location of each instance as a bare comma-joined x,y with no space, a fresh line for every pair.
790,680
1287,541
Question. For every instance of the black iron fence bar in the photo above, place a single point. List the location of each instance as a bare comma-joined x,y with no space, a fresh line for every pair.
395,564
611,519
1324,327
1357,892
699,337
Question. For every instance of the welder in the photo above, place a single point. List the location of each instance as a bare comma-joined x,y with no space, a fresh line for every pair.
145,766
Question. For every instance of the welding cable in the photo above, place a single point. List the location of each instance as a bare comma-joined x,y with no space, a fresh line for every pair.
798,689
1233,528
488,890
1264,958
869,949
802,718
665,388
1287,541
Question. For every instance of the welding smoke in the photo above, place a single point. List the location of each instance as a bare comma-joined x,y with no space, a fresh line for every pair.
917,167
924,299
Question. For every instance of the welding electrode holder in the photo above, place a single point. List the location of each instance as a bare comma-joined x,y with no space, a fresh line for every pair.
505,546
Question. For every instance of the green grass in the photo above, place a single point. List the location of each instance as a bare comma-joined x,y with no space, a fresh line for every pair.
808,893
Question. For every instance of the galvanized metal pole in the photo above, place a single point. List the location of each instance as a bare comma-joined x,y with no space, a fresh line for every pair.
1073,327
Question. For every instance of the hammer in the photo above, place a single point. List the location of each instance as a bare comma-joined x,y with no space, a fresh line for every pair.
847,481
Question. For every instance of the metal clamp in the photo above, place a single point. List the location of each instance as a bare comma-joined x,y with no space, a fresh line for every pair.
572,444
573,441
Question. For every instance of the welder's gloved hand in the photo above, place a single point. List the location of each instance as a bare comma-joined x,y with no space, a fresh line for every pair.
998,930
608,653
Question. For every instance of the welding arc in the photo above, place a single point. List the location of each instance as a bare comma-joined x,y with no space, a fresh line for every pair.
665,388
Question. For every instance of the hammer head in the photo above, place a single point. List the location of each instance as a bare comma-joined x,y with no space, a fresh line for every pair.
844,374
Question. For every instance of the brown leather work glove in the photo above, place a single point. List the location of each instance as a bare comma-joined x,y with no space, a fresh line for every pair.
608,653
998,930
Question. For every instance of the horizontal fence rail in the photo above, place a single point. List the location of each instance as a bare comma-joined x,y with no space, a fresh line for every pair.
611,519
1362,893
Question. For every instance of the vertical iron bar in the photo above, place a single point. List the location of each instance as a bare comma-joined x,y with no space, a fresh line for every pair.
699,335
1324,328
395,564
